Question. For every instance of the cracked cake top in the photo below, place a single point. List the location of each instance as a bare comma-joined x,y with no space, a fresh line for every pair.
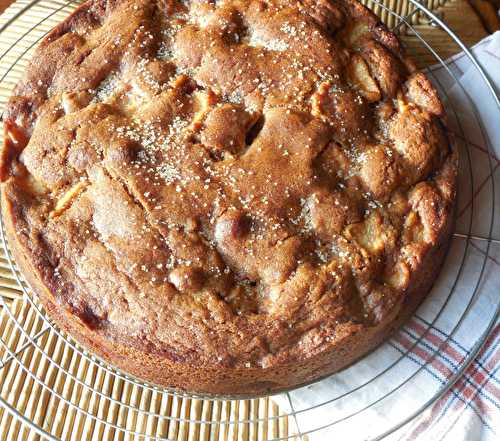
226,183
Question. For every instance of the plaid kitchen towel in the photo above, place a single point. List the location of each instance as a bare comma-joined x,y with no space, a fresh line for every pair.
400,379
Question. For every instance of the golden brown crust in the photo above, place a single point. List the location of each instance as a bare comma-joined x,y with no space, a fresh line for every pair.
231,197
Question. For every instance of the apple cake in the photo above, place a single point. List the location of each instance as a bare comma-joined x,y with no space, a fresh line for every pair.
228,196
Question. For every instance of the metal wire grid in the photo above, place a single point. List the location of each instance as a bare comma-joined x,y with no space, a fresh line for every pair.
391,15
31,339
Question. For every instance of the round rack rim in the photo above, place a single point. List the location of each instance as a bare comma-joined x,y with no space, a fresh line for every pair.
293,413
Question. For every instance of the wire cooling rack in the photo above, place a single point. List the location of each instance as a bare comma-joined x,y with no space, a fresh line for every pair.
46,379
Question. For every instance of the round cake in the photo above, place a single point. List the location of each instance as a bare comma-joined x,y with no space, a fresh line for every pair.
227,197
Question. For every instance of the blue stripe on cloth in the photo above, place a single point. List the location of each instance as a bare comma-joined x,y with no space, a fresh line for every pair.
440,354
451,339
435,350
457,394
454,395
444,334
467,378
476,361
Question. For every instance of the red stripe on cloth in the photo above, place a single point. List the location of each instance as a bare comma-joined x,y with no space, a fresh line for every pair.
494,358
439,343
492,363
478,380
468,395
470,392
429,419
424,355
482,406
